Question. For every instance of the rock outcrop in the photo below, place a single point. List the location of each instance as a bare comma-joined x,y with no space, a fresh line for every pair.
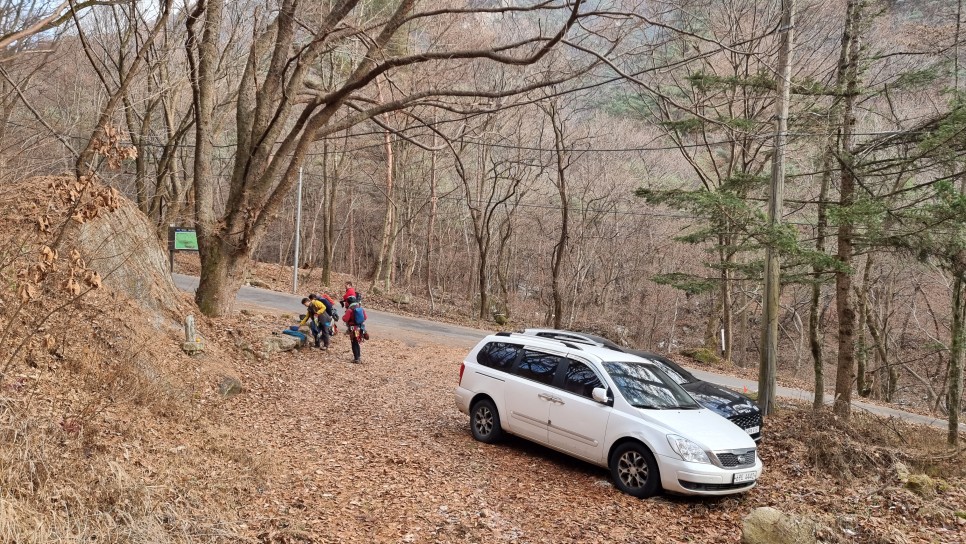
279,342
768,525
123,246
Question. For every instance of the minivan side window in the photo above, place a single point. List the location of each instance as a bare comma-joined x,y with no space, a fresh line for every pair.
581,380
538,366
498,355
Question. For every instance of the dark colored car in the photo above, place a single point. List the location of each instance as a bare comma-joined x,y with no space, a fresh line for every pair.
737,408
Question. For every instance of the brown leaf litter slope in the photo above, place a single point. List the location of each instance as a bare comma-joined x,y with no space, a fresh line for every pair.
379,453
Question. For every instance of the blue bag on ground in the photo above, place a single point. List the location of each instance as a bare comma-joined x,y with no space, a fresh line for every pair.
300,336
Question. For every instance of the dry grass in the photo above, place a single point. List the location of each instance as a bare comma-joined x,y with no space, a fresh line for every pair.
108,433
108,447
869,446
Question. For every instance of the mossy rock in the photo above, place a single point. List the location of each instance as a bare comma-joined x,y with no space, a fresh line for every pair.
921,485
501,319
704,355
902,472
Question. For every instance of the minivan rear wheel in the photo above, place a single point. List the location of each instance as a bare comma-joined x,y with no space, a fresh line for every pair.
634,470
485,422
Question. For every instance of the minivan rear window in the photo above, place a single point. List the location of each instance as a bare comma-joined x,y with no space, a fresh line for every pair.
499,355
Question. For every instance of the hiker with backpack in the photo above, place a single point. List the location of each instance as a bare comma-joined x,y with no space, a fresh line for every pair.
315,317
331,315
355,318
350,291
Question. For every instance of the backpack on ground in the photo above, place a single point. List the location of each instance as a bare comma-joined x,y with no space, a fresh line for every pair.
300,336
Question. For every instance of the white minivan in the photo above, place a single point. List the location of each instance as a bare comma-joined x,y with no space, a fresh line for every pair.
610,408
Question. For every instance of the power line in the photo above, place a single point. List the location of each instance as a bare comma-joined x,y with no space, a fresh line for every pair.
641,149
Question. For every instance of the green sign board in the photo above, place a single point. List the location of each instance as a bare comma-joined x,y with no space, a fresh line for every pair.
185,240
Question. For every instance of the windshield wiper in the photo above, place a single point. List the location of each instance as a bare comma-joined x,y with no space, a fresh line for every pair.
646,406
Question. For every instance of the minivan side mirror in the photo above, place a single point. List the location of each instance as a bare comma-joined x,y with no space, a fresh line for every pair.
600,395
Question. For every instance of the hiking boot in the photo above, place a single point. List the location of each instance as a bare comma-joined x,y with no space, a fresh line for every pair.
365,335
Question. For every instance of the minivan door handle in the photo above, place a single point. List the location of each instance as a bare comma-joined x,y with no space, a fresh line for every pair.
546,397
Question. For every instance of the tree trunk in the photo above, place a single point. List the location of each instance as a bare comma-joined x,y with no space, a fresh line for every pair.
482,262
714,321
845,311
431,224
714,341
955,394
815,343
350,225
387,225
330,184
862,351
136,133
815,333
768,369
220,279
564,235
503,258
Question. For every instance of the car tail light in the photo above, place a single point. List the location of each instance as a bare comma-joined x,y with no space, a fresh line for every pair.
462,367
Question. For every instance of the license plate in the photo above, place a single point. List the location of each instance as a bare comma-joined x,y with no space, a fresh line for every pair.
753,430
742,477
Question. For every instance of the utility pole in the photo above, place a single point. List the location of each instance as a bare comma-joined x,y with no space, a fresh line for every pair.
768,369
298,233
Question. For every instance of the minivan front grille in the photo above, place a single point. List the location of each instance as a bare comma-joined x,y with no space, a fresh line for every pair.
744,421
736,459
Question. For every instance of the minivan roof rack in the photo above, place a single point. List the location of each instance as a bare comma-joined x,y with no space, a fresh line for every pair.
569,344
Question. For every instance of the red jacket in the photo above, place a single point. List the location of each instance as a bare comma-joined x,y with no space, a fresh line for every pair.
349,292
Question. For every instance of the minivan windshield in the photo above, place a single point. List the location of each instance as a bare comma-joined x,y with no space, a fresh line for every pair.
645,386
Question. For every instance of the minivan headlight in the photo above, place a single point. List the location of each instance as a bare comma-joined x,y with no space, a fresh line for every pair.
688,450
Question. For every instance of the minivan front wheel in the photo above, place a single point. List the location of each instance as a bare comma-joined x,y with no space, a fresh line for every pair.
634,470
485,422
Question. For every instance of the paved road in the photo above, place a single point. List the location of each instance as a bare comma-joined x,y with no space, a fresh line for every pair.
409,329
